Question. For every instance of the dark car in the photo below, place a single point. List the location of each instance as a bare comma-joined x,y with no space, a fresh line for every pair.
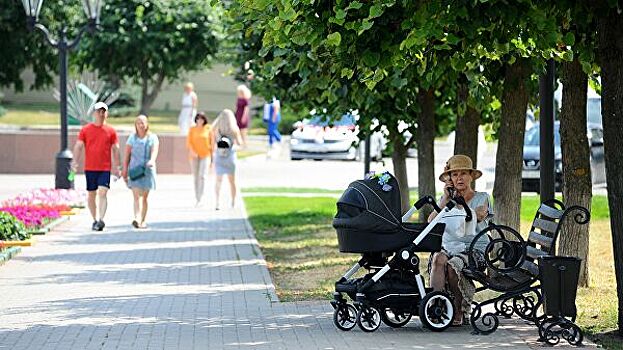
530,175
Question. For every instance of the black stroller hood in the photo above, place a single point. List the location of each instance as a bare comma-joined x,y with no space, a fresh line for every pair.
366,206
369,220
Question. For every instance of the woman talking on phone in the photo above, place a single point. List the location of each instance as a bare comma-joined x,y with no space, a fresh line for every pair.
446,266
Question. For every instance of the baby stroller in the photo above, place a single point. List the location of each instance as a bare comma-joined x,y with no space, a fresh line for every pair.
369,222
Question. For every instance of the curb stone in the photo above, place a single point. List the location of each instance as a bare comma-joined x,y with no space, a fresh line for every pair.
8,253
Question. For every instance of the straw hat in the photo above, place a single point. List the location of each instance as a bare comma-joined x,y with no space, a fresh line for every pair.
459,162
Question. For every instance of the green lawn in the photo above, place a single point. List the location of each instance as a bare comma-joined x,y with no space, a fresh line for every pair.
300,247
278,190
48,115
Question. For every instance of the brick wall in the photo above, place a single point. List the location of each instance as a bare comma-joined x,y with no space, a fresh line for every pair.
33,152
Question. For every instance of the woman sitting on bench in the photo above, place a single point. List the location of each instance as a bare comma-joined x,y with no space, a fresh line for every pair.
445,266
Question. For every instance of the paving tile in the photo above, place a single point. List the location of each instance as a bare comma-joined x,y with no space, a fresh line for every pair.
195,279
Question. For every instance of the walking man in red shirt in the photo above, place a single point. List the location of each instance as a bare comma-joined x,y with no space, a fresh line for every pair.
98,140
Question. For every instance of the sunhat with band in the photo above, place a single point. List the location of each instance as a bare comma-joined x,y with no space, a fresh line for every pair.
459,162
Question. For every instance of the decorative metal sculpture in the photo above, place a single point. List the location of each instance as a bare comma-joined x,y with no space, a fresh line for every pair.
82,95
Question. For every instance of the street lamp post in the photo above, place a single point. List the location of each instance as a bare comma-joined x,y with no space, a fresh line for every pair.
63,45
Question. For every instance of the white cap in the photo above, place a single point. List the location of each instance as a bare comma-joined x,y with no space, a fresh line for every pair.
100,105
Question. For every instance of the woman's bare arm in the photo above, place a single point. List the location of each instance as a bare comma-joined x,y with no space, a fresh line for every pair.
154,152
126,161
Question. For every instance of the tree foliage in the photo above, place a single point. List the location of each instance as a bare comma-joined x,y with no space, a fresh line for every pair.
22,49
146,42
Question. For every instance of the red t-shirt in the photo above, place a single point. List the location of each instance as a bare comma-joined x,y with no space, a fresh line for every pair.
98,141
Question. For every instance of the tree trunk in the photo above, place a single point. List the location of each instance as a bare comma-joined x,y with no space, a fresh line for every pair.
148,97
610,50
466,133
509,158
399,161
577,184
425,148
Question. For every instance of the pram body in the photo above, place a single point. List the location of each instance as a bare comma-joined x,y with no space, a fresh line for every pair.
369,222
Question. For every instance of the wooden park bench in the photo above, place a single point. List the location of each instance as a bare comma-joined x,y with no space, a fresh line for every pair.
512,270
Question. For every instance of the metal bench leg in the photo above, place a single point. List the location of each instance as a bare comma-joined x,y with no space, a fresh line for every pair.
526,303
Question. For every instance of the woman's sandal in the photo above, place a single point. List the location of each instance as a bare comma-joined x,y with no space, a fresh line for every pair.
134,223
458,323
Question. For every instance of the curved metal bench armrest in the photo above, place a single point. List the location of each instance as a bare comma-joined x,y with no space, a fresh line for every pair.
582,217
491,245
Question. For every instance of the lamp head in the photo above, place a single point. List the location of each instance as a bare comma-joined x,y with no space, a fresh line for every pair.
92,9
32,9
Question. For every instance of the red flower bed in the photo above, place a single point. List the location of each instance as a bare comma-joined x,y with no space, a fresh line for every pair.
38,207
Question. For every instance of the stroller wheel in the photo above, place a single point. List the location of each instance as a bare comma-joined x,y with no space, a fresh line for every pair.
345,317
369,319
395,319
436,311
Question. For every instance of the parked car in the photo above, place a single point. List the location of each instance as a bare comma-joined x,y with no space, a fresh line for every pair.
316,138
530,176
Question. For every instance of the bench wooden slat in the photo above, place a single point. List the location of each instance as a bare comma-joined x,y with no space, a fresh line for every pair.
545,225
535,253
540,239
550,212
531,267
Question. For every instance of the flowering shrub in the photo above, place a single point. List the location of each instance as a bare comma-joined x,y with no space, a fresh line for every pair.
36,208
49,198
12,229
32,216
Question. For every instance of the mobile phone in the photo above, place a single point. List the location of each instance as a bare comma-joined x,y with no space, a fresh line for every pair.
451,191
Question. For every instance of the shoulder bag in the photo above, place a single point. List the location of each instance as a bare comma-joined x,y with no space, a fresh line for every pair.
138,171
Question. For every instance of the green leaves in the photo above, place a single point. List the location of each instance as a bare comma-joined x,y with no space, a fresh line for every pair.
160,40
346,73
375,11
288,14
370,58
11,229
354,5
365,25
569,39
334,39
340,17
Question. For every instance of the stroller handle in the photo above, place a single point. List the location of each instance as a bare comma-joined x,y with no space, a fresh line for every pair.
418,205
460,200
427,200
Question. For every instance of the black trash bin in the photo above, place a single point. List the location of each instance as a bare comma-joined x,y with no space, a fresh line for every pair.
559,282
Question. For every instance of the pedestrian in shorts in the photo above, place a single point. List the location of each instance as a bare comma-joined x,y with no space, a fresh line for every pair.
101,158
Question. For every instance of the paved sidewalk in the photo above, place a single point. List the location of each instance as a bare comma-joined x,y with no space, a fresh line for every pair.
196,279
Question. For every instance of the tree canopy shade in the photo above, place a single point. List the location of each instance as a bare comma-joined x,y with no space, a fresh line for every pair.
146,42
22,48
341,57
402,61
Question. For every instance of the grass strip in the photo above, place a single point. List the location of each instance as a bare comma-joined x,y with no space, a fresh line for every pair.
300,247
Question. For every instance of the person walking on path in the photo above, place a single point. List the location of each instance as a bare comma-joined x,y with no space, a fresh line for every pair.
200,143
99,141
243,112
226,137
189,108
139,171
274,117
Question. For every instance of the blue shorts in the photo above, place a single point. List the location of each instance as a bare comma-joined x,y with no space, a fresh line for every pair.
97,179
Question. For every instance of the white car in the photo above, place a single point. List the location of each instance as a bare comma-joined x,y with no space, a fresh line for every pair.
316,138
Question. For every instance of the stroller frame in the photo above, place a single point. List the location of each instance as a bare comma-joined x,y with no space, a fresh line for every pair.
394,307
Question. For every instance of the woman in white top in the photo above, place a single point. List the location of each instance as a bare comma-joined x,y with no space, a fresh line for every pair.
189,108
446,266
